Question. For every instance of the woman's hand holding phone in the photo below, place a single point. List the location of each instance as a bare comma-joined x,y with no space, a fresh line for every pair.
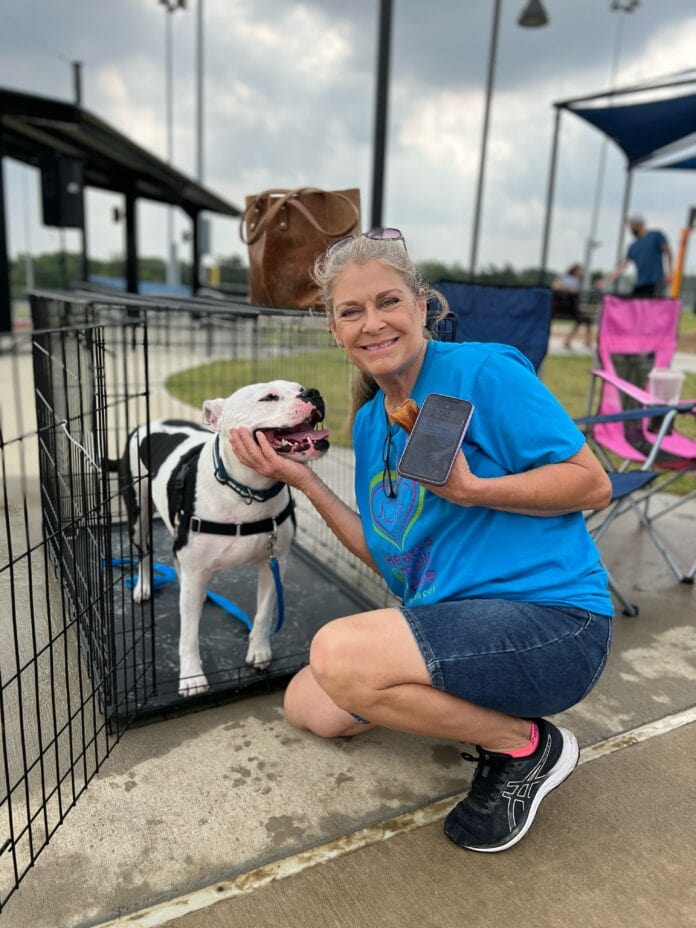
433,454
462,484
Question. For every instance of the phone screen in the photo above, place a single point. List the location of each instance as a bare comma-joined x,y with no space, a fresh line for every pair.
437,435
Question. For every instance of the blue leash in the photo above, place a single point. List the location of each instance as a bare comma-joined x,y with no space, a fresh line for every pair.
275,570
163,574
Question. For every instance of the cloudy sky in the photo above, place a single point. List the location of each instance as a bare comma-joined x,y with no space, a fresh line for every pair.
289,101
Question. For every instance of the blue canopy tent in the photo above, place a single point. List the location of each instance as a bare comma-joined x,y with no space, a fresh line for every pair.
641,130
682,164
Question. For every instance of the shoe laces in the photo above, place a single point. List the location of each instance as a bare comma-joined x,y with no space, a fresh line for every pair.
488,779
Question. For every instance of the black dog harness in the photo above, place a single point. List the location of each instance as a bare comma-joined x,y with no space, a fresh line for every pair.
181,489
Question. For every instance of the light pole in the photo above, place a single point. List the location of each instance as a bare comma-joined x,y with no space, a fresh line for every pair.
381,106
170,6
200,225
532,15
28,260
199,91
617,6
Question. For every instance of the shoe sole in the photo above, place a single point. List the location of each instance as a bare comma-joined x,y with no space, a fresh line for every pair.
566,763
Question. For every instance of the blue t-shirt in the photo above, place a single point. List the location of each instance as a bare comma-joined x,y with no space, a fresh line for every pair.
429,550
646,254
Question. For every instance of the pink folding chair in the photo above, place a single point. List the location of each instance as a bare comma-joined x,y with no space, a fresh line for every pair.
634,336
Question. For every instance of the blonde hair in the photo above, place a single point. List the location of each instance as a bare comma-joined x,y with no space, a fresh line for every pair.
362,249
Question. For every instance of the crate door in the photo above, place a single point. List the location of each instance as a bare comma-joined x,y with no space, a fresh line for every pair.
71,677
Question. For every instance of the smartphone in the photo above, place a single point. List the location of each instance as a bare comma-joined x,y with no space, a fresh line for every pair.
436,438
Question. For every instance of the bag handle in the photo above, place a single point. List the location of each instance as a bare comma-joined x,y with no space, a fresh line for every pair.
285,198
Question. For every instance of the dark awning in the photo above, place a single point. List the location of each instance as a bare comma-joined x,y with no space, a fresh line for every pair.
31,125
683,164
641,129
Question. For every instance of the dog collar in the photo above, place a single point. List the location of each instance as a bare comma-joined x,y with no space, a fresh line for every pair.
247,493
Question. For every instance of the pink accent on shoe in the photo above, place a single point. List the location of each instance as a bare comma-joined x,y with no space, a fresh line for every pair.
528,748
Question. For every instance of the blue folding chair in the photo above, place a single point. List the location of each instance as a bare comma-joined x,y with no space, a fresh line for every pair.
518,316
631,488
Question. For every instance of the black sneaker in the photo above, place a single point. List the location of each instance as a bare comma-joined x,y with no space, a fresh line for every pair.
506,791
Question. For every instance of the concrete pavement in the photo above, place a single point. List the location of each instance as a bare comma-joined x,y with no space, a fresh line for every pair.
610,849
197,800
231,796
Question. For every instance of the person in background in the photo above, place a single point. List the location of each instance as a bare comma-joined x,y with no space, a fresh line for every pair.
570,283
504,614
652,257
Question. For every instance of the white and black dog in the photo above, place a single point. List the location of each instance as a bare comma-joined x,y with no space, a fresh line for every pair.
220,513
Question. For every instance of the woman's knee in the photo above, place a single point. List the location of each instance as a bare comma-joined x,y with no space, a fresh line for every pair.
308,708
294,703
356,658
332,658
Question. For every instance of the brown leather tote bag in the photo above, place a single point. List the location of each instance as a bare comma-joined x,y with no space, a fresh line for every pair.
285,231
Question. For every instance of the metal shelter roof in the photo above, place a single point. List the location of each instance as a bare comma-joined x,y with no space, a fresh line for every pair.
31,125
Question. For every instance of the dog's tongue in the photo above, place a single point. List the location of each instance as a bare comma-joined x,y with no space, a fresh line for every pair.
312,434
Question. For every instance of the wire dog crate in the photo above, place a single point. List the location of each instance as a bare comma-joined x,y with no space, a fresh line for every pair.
79,659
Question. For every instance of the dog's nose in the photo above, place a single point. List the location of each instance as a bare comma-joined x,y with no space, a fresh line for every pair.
315,398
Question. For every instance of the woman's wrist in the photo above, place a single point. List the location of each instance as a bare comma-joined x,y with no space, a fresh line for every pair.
472,492
460,490
308,481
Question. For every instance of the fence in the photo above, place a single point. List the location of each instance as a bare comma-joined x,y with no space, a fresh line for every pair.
79,660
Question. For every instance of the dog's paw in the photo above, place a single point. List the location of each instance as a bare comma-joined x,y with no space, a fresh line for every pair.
259,654
193,685
141,590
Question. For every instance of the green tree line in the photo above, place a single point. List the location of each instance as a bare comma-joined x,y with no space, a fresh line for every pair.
57,270
61,270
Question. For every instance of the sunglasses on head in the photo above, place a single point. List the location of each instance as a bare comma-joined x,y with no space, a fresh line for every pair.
384,235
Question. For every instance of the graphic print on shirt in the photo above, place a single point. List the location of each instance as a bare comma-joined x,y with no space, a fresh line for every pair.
393,520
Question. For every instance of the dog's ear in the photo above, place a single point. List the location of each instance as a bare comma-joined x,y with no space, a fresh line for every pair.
212,410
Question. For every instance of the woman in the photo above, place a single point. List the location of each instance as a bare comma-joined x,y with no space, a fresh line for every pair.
571,283
505,615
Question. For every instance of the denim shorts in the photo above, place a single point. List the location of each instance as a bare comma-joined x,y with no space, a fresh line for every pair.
519,658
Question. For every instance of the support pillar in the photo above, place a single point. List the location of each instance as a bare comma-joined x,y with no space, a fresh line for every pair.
195,253
131,244
550,191
5,296
624,214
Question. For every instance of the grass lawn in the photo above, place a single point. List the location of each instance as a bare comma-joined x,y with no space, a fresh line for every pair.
327,370
687,323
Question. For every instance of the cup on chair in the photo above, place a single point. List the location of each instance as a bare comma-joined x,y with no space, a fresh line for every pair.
665,385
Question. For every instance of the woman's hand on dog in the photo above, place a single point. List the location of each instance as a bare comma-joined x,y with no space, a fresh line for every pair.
257,453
